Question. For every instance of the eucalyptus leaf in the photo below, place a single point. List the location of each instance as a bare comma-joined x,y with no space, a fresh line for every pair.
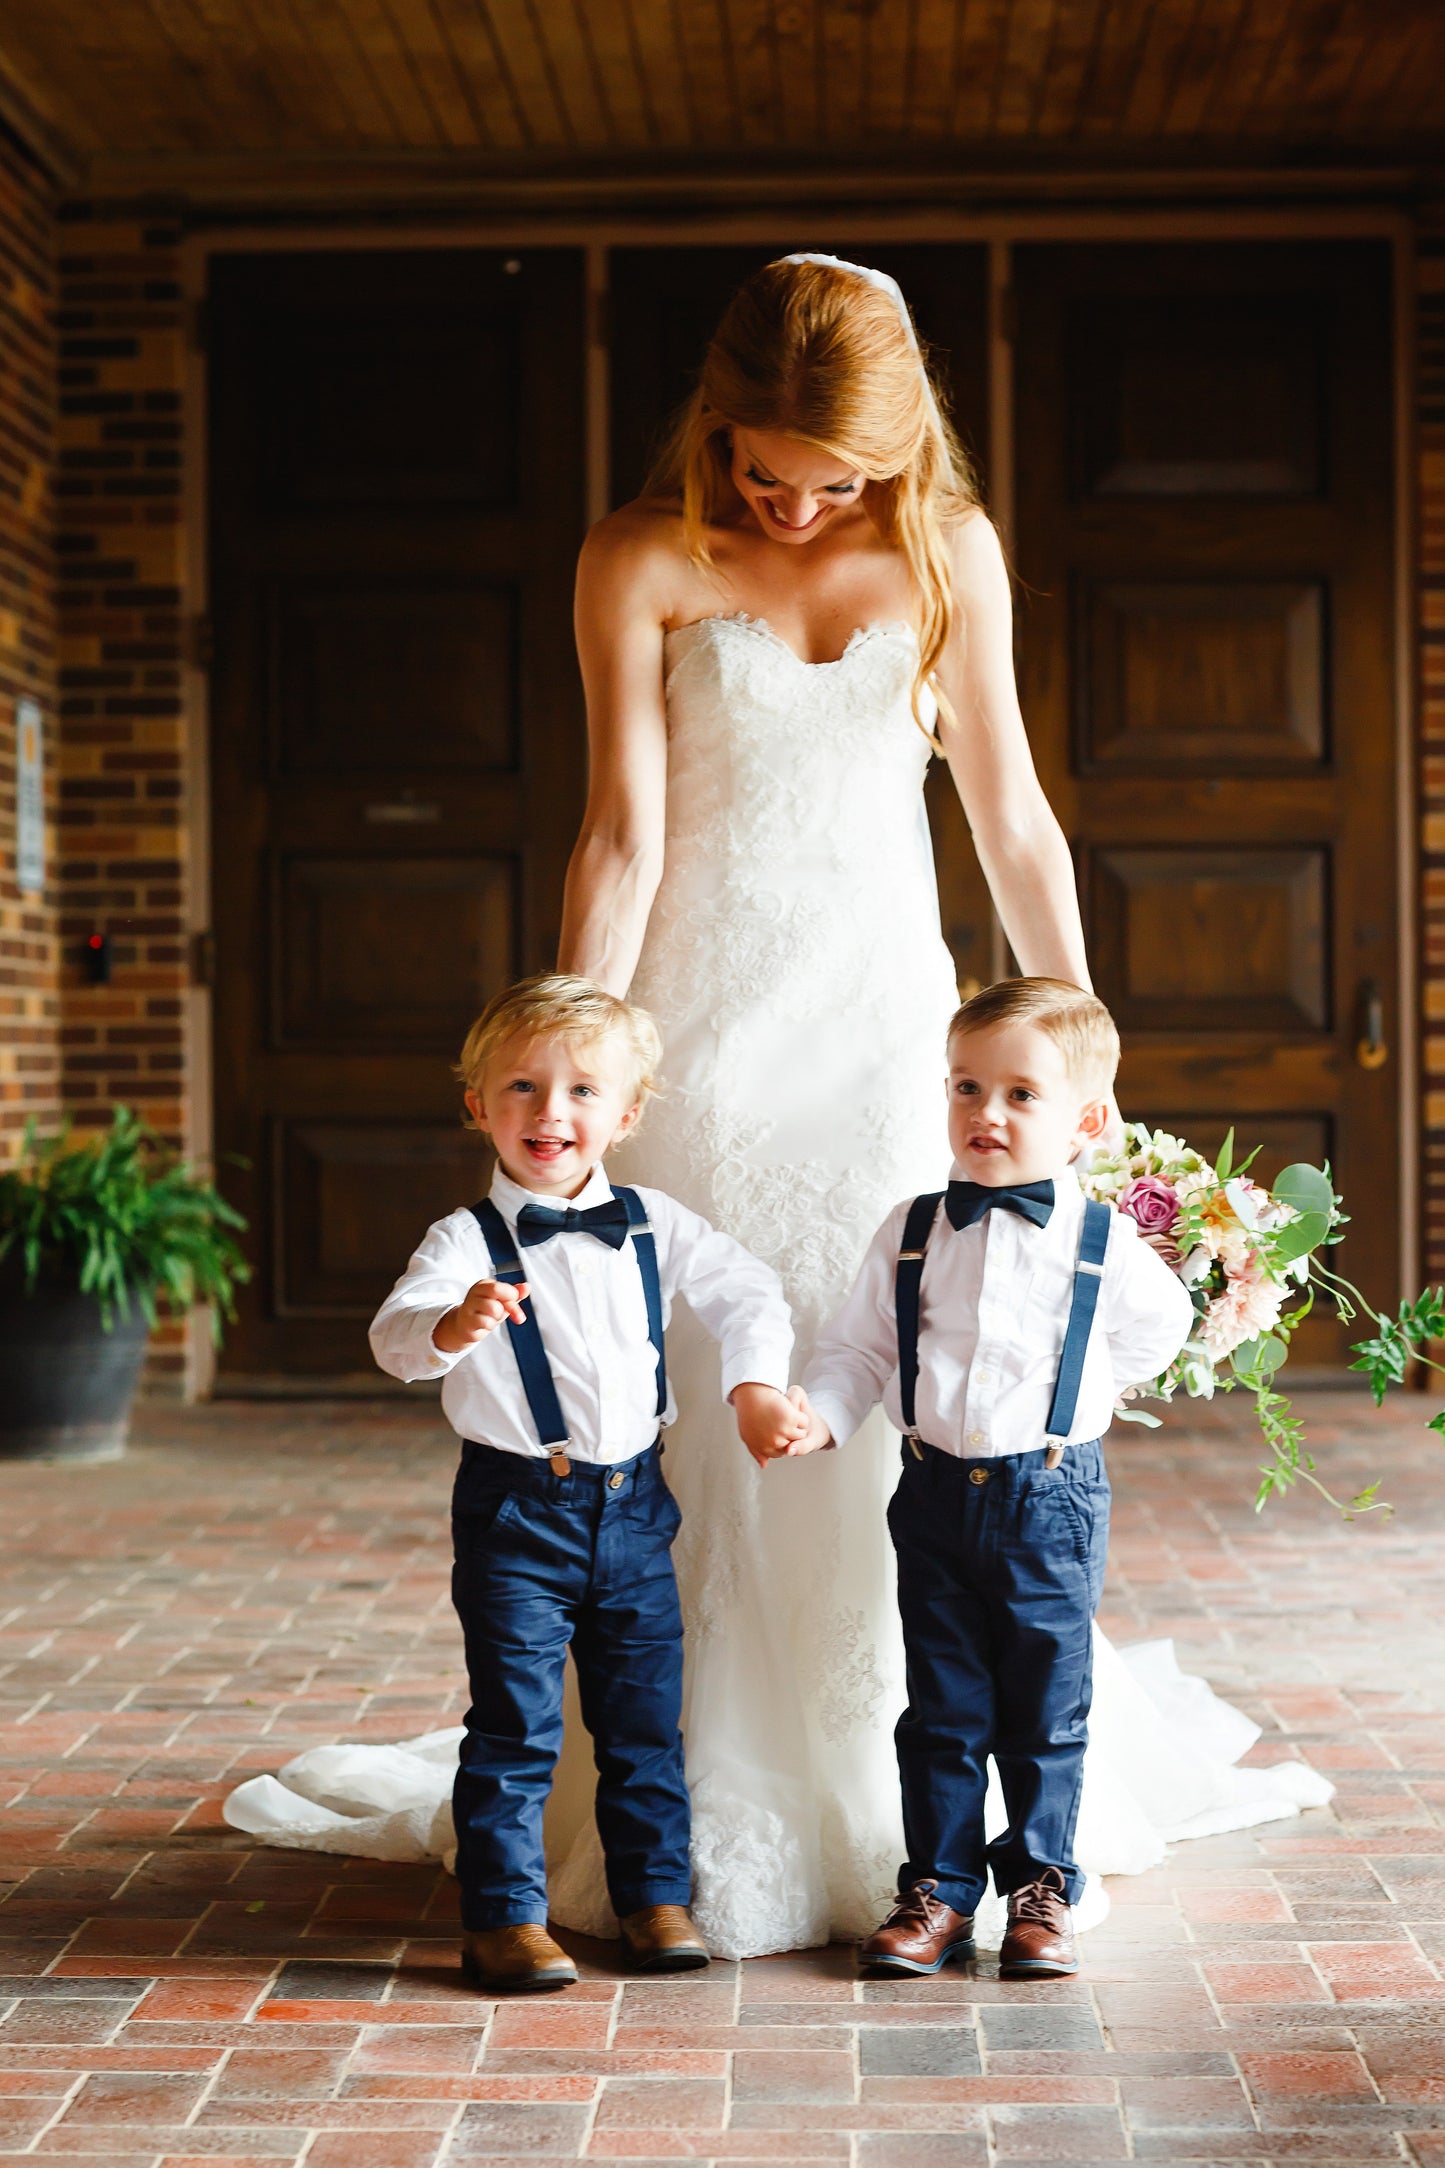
1260,1357
1306,1189
1300,1237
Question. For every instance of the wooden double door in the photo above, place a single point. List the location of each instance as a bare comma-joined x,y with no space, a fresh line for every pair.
1203,544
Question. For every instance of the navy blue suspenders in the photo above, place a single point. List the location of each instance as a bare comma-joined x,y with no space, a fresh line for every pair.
1088,1272
908,1281
526,1338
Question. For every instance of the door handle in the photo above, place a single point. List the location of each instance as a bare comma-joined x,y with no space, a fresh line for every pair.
1371,1052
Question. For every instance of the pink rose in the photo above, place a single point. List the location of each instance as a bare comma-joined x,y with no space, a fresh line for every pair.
1152,1204
1166,1247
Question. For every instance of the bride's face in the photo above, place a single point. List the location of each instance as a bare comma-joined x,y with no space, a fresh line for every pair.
793,490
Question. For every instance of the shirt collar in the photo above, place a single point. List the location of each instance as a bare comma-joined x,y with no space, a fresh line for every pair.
509,1196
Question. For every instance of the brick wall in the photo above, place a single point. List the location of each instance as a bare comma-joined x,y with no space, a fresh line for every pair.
29,1001
1431,518
120,549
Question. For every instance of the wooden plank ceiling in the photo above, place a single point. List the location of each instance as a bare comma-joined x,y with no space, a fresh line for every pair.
142,90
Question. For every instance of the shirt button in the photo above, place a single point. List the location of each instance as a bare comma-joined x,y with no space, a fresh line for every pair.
615,1482
983,1376
978,1475
975,1437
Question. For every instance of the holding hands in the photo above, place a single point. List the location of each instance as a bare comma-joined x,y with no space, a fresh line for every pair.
778,1426
479,1312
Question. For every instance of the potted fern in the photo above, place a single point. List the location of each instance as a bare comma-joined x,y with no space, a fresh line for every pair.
95,1237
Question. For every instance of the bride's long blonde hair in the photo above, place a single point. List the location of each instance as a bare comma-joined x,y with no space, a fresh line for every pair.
814,351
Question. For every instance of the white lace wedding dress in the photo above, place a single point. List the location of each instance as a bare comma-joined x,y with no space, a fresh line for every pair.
795,965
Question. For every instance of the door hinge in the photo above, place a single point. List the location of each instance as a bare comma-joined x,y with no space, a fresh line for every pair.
201,642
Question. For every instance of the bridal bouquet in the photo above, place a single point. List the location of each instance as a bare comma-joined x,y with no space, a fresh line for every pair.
1250,1257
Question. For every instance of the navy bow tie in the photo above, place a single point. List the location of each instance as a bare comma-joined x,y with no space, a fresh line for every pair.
539,1222
968,1201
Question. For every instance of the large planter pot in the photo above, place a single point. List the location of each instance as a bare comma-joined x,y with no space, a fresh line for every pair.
66,1384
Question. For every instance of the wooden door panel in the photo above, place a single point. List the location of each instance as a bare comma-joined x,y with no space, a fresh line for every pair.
1208,676
395,677
1204,539
1182,395
665,305
375,952
352,1201
1203,941
345,424
398,749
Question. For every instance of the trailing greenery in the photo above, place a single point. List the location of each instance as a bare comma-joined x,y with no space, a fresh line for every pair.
125,1218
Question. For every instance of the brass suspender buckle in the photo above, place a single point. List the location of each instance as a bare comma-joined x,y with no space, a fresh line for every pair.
559,1463
917,1448
1053,1456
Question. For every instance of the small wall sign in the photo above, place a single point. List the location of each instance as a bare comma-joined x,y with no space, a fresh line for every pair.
29,798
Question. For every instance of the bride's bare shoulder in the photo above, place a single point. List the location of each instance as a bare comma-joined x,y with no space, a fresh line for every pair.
641,541
976,554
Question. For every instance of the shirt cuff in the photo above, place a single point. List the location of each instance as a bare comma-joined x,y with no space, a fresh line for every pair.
420,1353
766,1363
836,1413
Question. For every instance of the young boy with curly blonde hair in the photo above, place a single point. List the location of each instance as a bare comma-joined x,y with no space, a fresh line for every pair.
562,1520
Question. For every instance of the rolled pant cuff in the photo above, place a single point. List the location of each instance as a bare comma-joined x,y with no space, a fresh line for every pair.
627,1901
480,1919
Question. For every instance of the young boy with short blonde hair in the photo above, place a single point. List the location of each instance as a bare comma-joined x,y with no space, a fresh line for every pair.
998,1333
562,1521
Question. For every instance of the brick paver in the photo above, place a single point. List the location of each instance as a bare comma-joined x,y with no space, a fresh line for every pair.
254,1579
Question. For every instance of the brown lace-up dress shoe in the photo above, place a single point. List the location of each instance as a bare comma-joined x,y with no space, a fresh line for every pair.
663,1939
1039,1941
920,1934
519,1960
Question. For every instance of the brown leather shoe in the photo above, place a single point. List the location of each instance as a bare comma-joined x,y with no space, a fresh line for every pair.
662,1938
521,1960
1039,1941
920,1934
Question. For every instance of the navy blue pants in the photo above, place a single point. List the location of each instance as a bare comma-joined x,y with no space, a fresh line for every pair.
544,1562
1000,1570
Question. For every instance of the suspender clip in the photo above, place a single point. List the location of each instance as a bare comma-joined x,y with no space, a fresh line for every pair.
1054,1454
917,1448
559,1463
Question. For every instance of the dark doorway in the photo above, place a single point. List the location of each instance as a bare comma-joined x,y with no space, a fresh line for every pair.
1204,541
398,768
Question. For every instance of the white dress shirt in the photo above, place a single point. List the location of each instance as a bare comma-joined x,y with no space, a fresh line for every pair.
993,1306
589,1304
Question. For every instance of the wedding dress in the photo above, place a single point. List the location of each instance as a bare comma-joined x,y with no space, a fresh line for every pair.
795,965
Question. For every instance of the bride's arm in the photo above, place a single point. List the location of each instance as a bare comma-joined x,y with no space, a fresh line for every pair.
1021,847
616,862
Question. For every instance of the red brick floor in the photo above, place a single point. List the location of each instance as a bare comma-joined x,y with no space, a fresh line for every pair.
255,1578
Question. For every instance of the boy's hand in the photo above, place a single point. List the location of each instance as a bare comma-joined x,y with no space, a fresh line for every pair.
769,1422
479,1312
816,1437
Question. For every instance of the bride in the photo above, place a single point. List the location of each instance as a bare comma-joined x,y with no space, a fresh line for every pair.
809,601
807,605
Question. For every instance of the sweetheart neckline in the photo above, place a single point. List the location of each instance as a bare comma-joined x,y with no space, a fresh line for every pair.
749,623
